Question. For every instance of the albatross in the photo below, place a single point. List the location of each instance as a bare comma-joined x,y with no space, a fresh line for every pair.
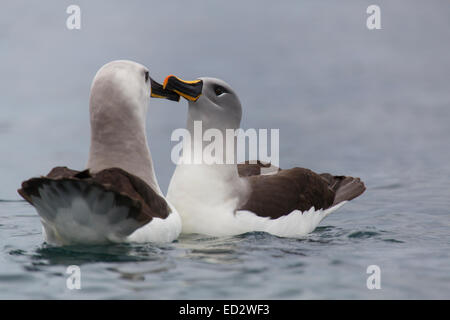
219,199
117,198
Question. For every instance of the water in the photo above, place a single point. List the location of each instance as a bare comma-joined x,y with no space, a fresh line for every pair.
374,104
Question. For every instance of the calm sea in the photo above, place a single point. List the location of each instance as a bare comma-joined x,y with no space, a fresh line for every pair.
347,100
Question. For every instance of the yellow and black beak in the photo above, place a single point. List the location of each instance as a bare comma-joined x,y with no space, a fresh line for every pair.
157,91
191,90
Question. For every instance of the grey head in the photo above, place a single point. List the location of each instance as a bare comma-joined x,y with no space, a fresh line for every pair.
210,100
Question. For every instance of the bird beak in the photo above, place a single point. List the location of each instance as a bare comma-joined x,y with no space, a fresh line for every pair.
190,90
157,91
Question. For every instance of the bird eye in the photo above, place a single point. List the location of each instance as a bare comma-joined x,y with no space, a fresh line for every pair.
219,90
146,76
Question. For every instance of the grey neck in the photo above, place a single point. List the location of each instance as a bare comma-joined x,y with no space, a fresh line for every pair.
120,141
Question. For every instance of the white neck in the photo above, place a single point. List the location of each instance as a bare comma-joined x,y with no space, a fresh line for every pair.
202,186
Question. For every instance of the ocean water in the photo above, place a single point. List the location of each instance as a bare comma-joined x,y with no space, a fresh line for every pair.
347,100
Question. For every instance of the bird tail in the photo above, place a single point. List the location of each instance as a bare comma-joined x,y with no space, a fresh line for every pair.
76,211
345,188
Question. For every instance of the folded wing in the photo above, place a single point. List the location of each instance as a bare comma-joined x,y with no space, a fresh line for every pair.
80,207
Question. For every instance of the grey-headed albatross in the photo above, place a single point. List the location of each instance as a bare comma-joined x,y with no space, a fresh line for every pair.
229,199
117,198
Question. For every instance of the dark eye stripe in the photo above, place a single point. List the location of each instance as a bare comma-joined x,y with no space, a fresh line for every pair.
219,90
146,76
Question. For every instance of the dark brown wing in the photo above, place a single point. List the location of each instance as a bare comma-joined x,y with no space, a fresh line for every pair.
129,191
346,188
248,168
301,189
31,187
153,205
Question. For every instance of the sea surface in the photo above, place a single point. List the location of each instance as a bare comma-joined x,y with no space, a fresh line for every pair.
347,100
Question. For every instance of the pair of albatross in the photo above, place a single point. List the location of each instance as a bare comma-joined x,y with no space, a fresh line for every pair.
118,199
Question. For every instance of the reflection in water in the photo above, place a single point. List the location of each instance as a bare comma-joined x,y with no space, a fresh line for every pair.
210,249
250,265
80,255
197,248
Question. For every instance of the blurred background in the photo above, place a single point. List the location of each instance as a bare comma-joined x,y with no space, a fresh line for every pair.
347,100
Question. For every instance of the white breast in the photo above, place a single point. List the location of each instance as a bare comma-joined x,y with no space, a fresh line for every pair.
206,198
159,230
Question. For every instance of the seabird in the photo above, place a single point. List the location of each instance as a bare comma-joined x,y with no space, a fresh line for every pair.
117,198
223,199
